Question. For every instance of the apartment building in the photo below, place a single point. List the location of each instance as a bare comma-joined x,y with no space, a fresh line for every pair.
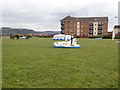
84,26
116,29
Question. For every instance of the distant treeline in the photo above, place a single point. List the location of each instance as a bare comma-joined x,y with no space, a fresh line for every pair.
8,30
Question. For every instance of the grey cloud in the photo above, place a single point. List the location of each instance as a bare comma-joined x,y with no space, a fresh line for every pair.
45,15
119,12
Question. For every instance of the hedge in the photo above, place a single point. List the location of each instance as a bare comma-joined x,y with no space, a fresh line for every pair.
45,36
105,37
95,37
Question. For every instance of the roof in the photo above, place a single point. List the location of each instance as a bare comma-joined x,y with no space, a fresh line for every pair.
85,18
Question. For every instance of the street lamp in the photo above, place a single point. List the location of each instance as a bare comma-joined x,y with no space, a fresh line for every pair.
113,33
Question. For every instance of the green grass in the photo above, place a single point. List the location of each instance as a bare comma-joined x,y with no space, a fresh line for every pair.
0,63
34,63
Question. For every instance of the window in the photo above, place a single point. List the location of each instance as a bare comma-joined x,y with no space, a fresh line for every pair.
71,21
71,26
90,28
102,22
95,19
91,21
62,31
105,21
71,30
104,30
67,21
104,26
78,23
100,28
91,24
78,26
90,31
99,23
62,28
62,23
95,24
100,31
67,26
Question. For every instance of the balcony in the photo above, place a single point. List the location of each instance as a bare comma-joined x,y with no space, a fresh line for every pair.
62,32
71,26
91,24
90,31
99,24
62,28
91,28
62,23
99,28
100,31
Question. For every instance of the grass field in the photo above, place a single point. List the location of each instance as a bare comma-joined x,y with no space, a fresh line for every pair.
34,63
0,63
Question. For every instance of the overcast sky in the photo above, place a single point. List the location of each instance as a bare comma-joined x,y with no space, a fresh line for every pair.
46,14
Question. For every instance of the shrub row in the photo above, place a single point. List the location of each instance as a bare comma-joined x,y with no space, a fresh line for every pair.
45,36
29,36
95,36
104,37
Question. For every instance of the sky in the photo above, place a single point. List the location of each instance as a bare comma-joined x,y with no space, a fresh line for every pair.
43,15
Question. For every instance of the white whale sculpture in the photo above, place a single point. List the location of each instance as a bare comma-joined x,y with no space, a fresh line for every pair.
61,37
67,44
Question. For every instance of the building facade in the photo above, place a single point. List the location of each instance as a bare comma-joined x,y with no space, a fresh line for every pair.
116,29
84,26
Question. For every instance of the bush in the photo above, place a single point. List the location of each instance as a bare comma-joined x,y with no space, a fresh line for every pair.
15,35
29,36
95,36
50,36
117,37
107,37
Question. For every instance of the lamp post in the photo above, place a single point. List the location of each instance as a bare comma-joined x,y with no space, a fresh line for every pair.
113,33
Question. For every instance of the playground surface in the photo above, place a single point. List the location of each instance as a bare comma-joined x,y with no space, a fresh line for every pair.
35,63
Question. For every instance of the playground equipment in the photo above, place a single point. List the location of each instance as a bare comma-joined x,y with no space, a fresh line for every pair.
72,43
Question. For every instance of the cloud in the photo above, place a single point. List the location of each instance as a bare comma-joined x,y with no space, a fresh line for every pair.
46,14
119,12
